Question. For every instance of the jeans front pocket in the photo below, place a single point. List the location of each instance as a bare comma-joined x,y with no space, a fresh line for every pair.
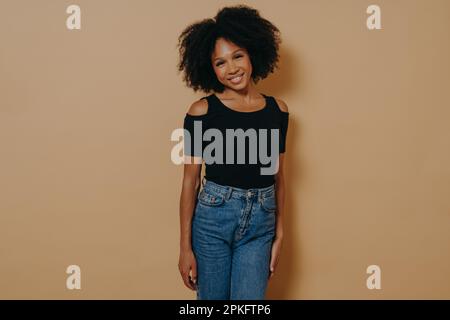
269,203
210,198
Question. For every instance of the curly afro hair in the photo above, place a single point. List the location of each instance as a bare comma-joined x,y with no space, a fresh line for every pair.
239,24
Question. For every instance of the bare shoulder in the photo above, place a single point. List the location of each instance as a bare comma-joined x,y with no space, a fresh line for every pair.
283,106
198,108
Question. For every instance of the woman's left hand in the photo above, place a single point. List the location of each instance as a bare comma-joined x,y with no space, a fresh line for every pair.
276,249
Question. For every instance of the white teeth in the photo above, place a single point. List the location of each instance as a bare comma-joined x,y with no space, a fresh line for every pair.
236,79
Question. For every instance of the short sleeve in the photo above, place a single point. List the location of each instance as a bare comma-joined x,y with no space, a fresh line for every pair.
283,130
193,142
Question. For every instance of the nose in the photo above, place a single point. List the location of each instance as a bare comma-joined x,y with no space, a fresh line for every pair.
233,69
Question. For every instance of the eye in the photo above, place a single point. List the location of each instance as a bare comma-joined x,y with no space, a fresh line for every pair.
219,63
239,56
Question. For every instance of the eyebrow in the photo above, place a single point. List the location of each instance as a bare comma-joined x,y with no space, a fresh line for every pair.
231,53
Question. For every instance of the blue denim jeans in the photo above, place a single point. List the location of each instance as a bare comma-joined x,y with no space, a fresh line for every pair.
232,234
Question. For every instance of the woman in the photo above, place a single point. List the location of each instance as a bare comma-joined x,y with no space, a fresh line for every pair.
232,230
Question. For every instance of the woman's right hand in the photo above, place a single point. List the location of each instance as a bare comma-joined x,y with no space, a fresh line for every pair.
186,264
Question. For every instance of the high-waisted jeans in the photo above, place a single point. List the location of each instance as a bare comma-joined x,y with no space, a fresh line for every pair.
232,234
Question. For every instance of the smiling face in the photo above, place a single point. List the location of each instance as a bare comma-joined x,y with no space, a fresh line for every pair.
231,64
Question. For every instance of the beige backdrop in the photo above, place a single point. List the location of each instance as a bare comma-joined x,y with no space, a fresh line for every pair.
86,176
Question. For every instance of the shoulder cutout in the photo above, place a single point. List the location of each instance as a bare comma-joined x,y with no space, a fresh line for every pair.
282,105
198,108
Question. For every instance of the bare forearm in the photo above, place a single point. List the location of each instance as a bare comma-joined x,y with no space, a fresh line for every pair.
280,196
187,206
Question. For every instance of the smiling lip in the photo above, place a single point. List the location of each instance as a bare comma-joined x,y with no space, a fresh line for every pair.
237,79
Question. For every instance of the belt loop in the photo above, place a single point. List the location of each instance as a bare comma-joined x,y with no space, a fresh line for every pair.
228,195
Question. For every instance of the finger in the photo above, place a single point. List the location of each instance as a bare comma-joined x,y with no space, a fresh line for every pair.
187,281
272,265
193,283
194,273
